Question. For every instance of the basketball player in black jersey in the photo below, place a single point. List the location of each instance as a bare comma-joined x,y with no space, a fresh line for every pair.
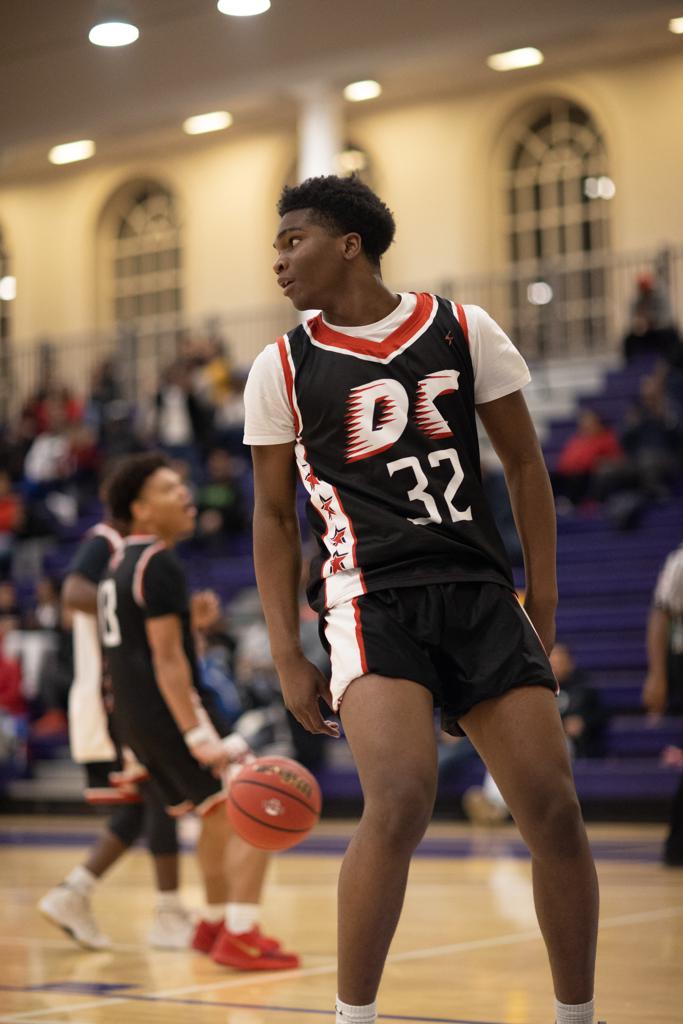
68,904
160,710
374,402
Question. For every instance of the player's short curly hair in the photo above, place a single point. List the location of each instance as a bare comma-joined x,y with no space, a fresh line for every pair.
126,481
344,205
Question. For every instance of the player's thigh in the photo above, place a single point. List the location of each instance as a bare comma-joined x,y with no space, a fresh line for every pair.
389,725
520,737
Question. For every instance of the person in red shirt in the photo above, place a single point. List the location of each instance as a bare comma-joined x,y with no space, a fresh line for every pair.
593,444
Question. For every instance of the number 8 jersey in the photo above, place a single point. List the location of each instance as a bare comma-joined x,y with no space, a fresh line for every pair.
383,419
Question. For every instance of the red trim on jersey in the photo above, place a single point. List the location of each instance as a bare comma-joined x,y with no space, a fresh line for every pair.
462,320
112,536
354,539
359,635
289,381
139,574
325,335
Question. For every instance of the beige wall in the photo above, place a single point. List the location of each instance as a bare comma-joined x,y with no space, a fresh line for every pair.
438,166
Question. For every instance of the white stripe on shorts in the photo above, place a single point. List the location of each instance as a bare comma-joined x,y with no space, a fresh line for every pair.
347,655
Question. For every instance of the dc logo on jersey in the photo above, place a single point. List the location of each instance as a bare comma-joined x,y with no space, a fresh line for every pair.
377,413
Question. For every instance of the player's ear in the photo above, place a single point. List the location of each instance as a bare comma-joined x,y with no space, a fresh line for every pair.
352,245
138,509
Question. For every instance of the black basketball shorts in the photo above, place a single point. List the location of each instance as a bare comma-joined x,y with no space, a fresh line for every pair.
180,781
465,642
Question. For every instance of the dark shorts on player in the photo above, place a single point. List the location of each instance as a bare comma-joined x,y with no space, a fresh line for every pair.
465,642
182,783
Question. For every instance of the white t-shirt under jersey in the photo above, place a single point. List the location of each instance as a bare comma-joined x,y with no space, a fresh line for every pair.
499,369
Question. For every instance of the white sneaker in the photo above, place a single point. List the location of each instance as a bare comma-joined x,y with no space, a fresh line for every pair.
171,929
71,911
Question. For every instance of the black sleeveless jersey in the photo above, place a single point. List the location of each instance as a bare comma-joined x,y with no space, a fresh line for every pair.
144,580
387,449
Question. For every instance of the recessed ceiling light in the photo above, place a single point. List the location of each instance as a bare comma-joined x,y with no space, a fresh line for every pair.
368,89
214,121
243,8
113,33
70,152
676,26
510,60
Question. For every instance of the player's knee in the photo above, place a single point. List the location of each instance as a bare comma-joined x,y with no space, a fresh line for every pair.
126,823
403,810
557,830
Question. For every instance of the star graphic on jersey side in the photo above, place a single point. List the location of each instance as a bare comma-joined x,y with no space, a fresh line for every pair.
337,562
339,536
326,506
449,338
312,479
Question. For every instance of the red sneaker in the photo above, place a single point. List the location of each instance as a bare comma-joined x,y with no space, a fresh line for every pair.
251,951
205,935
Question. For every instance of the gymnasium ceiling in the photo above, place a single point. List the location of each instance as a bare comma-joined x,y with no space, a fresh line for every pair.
55,86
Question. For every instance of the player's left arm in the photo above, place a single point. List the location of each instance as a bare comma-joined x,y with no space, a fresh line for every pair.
510,428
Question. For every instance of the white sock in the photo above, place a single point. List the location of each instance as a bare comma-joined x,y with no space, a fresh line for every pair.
81,880
168,900
355,1014
213,912
241,917
576,1013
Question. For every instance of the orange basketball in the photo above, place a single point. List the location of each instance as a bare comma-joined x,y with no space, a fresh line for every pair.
273,803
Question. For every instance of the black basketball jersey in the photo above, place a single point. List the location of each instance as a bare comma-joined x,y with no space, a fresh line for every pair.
387,449
144,580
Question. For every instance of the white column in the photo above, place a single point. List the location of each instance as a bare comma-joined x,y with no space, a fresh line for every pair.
321,137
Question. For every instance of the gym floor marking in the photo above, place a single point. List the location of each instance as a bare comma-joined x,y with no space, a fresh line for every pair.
171,996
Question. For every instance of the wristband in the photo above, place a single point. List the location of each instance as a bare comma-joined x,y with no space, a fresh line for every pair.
235,746
199,734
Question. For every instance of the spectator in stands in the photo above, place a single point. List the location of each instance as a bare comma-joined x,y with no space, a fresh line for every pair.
652,442
663,689
105,389
11,696
46,612
9,605
46,466
229,418
583,720
181,422
11,515
16,442
652,332
54,683
220,504
590,447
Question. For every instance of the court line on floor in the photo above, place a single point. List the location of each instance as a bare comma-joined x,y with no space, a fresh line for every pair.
639,917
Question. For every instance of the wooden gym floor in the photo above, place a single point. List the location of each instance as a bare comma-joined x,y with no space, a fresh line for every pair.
467,951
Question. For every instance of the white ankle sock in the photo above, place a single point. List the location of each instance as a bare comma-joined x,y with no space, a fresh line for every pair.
576,1013
347,1014
168,900
81,880
213,912
241,917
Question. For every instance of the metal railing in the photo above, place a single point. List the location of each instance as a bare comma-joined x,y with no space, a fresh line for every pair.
581,309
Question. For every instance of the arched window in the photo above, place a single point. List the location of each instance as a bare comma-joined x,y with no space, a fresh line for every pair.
143,267
558,227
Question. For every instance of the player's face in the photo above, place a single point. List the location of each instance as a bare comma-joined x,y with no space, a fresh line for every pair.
309,262
165,506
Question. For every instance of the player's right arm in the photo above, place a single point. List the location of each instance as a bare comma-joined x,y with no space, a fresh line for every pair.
174,678
79,594
277,559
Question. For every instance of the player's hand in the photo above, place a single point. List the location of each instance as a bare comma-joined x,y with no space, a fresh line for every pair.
655,693
205,609
216,753
302,687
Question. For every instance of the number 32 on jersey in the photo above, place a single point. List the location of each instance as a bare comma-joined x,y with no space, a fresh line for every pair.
377,415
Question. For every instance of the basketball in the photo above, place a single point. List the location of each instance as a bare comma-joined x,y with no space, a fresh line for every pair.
274,803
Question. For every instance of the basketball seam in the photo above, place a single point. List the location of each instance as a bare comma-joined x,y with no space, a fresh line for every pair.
265,785
268,824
